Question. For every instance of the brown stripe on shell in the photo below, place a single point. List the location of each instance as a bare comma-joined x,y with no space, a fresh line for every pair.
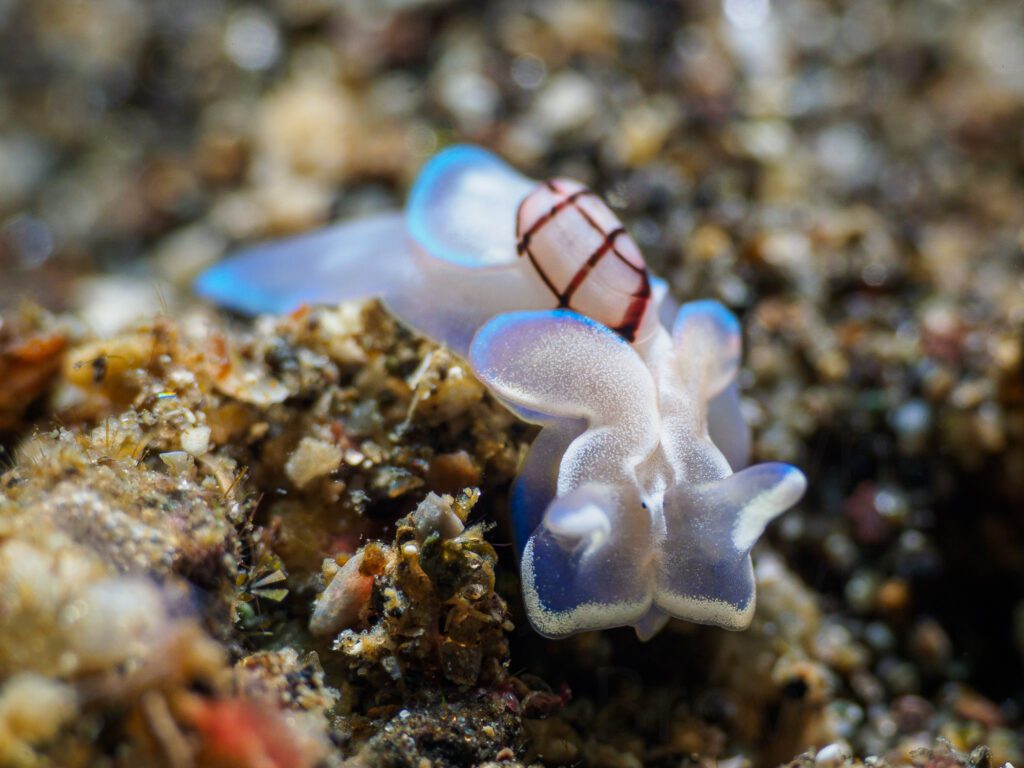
634,313
640,298
591,262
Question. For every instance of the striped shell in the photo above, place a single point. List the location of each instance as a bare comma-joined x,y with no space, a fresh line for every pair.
583,255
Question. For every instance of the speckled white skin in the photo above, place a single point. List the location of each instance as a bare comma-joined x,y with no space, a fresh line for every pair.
627,509
646,518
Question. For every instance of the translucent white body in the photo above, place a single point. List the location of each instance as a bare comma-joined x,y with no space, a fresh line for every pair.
646,518
452,260
629,508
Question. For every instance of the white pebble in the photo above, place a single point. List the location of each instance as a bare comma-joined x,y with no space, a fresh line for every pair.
832,756
312,459
196,440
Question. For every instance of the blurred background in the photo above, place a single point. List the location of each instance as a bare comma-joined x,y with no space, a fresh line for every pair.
142,138
847,176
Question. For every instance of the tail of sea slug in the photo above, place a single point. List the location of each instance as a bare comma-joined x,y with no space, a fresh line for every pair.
352,260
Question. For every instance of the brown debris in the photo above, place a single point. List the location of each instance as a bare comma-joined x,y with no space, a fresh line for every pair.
32,346
846,176
433,616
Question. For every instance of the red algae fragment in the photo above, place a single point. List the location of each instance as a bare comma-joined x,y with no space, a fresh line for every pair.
236,733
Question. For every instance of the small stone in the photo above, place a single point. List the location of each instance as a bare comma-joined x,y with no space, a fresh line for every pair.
110,303
471,97
893,596
974,706
312,459
115,621
308,127
930,644
911,713
178,463
708,243
196,440
568,102
643,132
436,515
833,756
251,40
33,708
341,604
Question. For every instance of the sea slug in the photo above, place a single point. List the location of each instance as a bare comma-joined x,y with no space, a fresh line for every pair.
635,503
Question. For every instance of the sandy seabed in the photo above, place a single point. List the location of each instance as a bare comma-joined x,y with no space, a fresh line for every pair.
179,486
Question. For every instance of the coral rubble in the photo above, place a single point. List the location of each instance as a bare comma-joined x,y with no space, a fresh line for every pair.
259,544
